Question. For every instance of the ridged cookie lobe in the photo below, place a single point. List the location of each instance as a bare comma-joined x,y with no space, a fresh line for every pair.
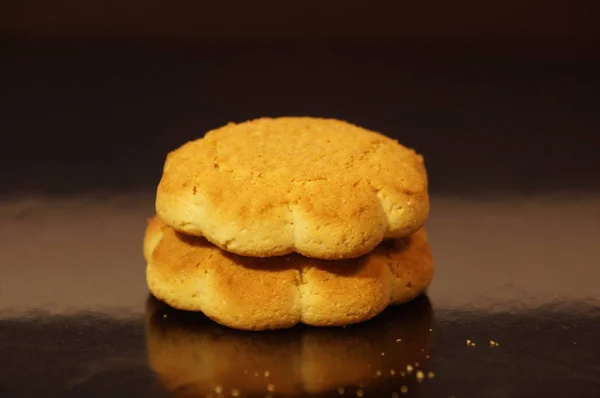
321,187
248,293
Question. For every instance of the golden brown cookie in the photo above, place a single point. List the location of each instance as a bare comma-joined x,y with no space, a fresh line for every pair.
193,356
190,273
268,187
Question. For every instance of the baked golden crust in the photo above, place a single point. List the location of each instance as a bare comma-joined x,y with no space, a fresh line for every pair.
190,273
268,187
192,356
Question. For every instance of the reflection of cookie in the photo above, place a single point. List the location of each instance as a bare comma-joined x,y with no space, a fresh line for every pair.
197,354
189,273
368,353
193,356
320,187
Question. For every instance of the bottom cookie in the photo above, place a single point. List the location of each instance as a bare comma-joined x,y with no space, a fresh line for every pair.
190,273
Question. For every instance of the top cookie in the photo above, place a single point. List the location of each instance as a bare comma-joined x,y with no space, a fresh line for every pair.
321,187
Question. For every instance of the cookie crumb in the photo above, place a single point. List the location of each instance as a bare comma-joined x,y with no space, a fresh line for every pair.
235,393
398,340
409,369
218,389
403,389
341,390
270,387
420,375
392,372
267,373
360,393
430,375
395,395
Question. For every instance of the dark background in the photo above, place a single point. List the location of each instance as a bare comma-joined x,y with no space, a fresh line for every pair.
508,88
501,97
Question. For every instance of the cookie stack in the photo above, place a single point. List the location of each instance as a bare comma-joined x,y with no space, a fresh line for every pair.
273,222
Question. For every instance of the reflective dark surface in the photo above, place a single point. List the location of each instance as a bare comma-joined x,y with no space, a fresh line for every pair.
192,356
511,146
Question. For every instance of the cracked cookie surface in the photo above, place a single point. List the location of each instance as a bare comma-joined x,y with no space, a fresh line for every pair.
189,273
323,188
